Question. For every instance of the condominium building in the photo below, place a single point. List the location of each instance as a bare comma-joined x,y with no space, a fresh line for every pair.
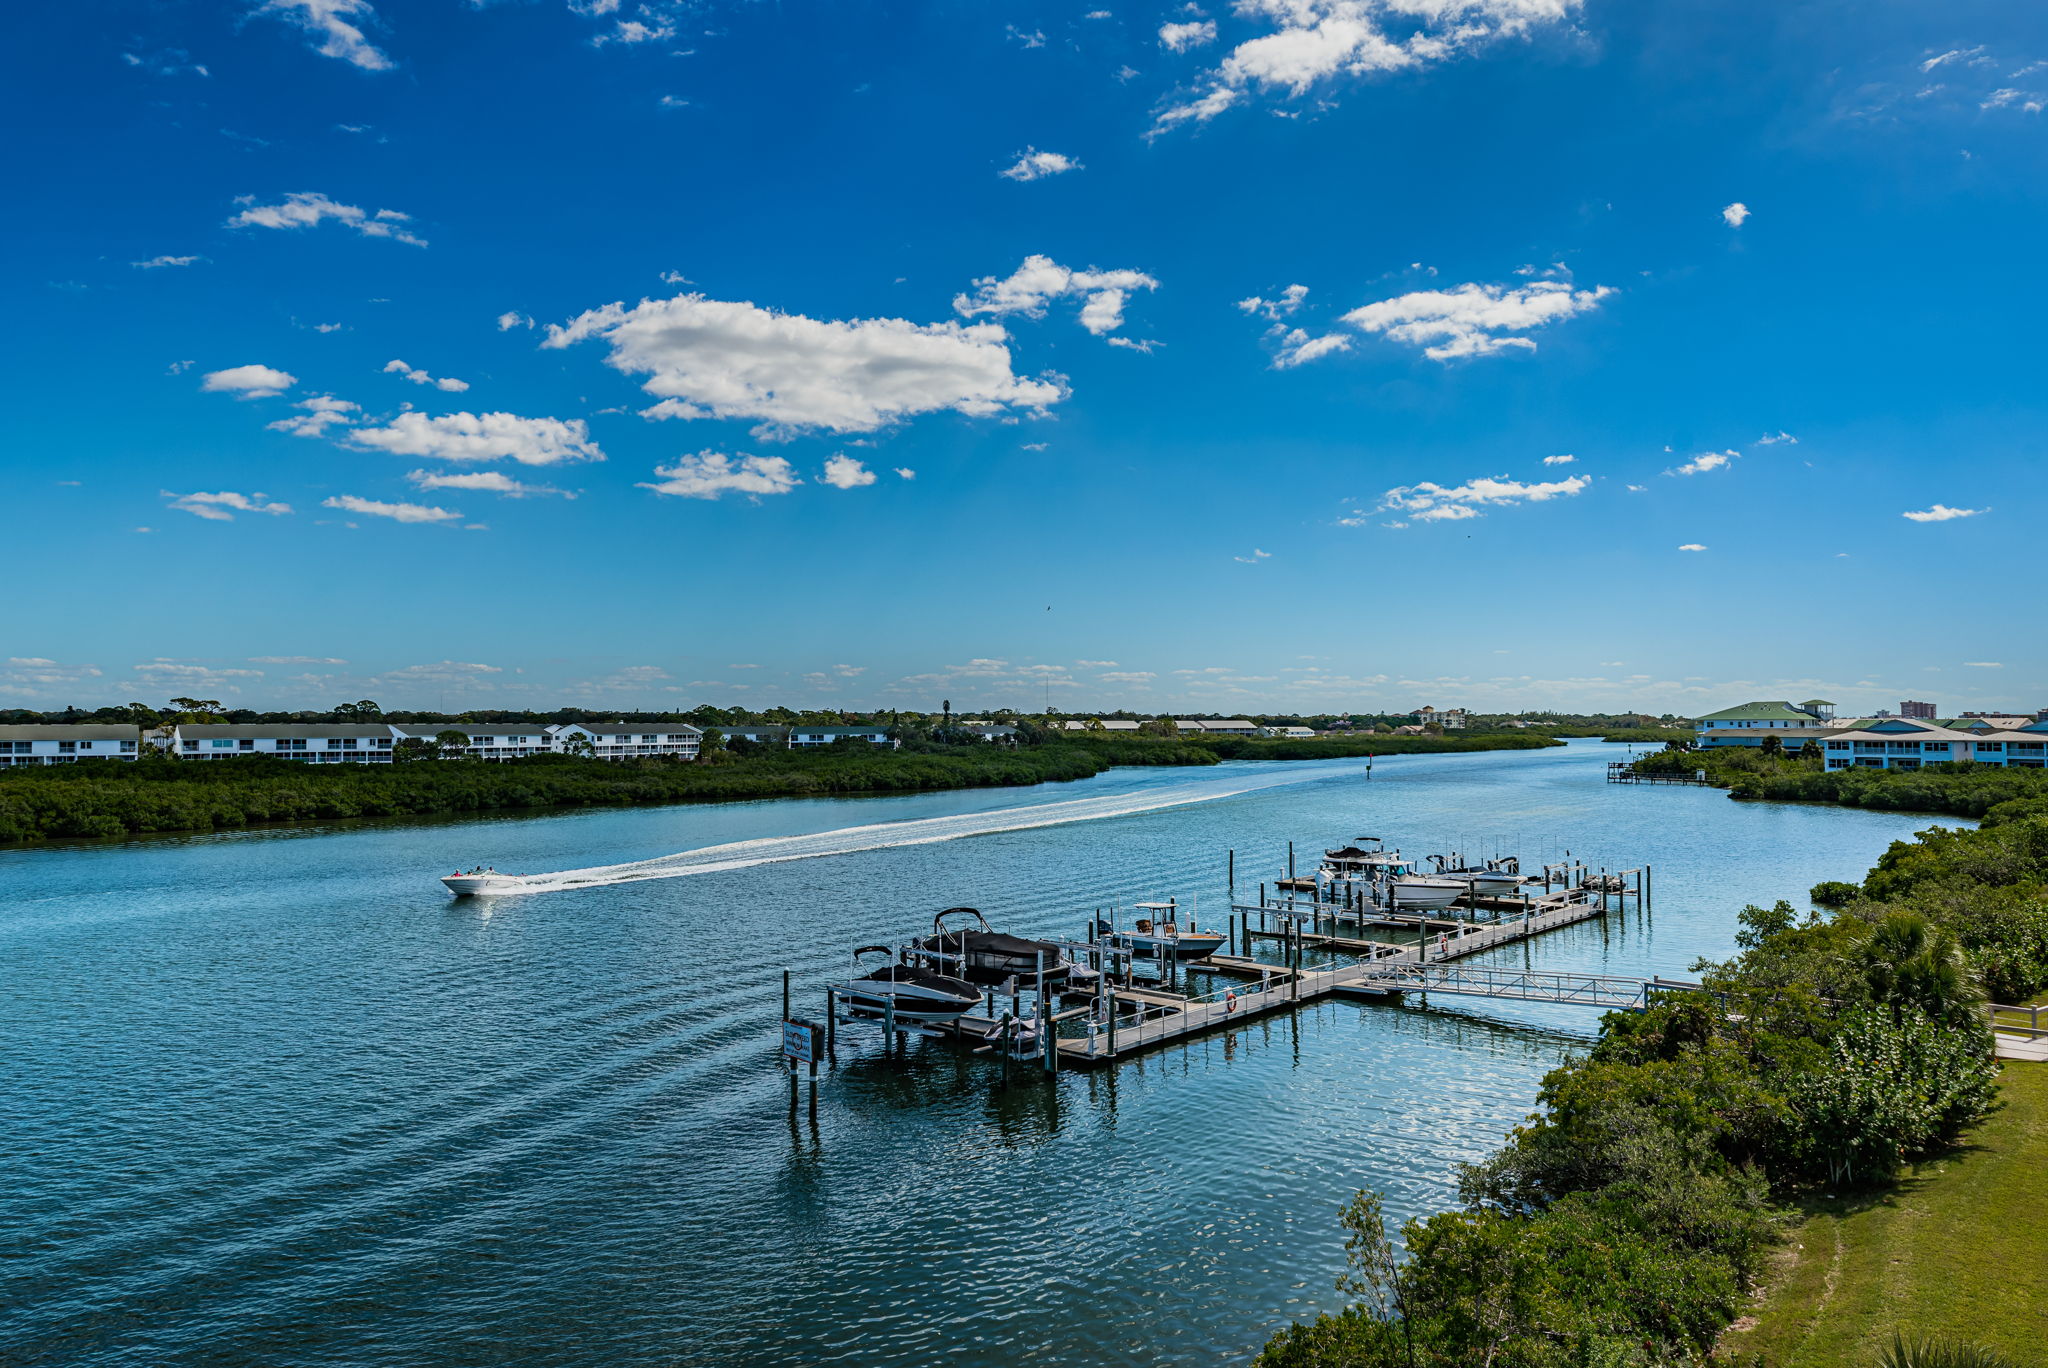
1450,719
1903,743
61,744
1914,710
1794,724
323,742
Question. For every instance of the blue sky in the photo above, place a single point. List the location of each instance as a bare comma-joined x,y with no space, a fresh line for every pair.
1166,357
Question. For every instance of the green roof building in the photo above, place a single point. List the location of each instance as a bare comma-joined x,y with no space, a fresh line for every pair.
1747,725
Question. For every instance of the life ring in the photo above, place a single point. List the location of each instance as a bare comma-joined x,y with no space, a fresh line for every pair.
1229,1001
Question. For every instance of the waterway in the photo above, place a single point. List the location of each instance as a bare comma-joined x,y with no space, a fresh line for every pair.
273,1099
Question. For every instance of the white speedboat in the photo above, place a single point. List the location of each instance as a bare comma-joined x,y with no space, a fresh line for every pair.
1494,879
1425,891
482,882
907,992
1159,935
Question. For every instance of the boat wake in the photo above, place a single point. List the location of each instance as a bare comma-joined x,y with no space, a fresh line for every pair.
921,831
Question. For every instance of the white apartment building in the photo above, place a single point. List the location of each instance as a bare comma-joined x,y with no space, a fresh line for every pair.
321,742
1450,719
60,744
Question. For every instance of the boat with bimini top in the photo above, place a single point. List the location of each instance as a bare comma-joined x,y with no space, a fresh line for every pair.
1158,934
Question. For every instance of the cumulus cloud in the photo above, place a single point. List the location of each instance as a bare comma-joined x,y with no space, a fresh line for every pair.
711,358
1773,438
844,472
1943,513
420,377
1704,462
1028,289
159,262
513,319
223,506
1297,347
1985,664
905,473
1430,502
1692,546
1734,214
322,411
248,382
1314,41
327,23
397,512
1254,558
1474,319
308,209
484,481
482,437
296,660
710,474
1559,460
1193,34
1032,164
1276,309
2026,101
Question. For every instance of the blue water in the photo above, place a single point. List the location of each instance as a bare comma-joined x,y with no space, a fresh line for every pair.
273,1099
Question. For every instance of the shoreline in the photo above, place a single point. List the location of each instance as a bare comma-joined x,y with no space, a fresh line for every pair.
68,807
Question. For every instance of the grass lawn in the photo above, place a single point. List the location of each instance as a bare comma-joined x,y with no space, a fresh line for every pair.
1959,1250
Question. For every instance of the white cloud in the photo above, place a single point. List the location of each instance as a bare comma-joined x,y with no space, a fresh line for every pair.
1692,546
1559,460
248,382
1943,513
484,481
673,102
157,262
397,512
1773,438
633,31
1034,39
420,377
1183,37
513,319
1032,164
1734,214
844,472
1985,664
1704,462
307,209
482,437
327,21
1029,288
905,472
1474,320
1969,55
1096,664
709,474
1254,558
2026,101
710,358
1298,348
1430,502
296,660
1276,309
322,411
1317,40
223,506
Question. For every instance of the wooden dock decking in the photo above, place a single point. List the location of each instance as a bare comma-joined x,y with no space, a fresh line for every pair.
1394,969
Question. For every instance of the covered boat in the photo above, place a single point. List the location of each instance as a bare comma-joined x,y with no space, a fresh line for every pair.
906,992
982,955
1493,878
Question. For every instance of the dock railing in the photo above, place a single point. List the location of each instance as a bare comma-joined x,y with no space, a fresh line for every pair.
2019,1021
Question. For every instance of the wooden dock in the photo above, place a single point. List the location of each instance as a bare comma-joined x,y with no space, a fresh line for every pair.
1390,969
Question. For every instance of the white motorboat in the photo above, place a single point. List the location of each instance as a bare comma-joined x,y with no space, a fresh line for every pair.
1493,879
482,882
907,992
1425,891
1159,935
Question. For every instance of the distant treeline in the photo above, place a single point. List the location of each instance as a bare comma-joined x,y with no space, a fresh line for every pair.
1630,1222
98,798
